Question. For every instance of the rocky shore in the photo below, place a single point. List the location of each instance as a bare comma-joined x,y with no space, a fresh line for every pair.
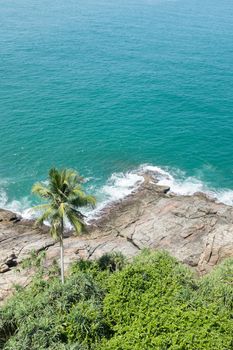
195,229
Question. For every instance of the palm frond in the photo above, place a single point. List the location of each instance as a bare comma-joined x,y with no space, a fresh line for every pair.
76,221
72,177
65,196
47,215
41,207
42,190
80,199
54,180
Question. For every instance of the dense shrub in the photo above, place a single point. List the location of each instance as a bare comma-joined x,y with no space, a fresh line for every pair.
49,314
154,302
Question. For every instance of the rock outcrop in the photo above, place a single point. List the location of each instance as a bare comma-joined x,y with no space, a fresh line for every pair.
195,229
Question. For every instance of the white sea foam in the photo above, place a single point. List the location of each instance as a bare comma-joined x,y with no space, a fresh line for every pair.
119,185
224,196
178,183
182,185
17,206
3,198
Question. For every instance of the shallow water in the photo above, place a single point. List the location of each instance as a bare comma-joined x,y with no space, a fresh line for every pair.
106,86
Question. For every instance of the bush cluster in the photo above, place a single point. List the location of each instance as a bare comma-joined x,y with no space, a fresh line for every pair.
153,302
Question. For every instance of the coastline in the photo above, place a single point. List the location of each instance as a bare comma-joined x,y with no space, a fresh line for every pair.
193,228
120,185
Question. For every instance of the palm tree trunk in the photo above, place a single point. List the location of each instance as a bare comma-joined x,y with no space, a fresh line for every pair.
62,254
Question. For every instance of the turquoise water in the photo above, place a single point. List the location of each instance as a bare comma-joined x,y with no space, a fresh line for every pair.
106,86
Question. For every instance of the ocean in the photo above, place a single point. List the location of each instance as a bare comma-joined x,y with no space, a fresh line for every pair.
113,87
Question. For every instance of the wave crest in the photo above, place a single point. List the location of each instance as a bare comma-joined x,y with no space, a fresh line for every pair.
120,185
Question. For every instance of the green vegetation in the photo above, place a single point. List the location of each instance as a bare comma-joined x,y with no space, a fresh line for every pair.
64,195
153,302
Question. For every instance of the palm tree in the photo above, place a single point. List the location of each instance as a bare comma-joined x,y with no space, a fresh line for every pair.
64,196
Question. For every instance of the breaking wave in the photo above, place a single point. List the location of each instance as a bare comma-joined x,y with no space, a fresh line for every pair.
120,185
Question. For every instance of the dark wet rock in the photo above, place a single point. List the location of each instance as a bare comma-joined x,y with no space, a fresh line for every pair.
7,215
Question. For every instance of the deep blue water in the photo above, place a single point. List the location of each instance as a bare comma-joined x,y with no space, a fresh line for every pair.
105,86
